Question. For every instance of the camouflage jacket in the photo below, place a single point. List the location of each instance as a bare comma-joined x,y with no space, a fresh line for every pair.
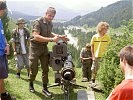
16,39
86,54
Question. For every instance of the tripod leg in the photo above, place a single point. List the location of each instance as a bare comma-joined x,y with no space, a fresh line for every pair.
66,93
54,85
78,85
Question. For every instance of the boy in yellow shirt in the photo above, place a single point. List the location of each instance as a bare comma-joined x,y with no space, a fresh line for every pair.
99,43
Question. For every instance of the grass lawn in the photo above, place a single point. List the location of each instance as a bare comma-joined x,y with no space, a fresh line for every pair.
19,87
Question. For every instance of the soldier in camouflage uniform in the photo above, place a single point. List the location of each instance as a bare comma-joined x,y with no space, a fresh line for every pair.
86,60
41,35
20,43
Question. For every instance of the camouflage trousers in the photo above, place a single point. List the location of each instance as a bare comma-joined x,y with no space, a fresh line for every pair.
95,67
86,70
39,53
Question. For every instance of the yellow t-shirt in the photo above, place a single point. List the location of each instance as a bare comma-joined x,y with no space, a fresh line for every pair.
100,44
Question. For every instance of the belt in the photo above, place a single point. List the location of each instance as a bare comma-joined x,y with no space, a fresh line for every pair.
38,44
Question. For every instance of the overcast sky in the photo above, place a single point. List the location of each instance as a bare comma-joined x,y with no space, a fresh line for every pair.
77,5
84,5
80,7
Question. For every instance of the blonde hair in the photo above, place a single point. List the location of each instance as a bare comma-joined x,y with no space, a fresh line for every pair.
101,26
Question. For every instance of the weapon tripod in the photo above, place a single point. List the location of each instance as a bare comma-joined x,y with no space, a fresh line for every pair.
66,85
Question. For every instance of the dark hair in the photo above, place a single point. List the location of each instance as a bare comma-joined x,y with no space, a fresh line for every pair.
87,45
3,5
127,54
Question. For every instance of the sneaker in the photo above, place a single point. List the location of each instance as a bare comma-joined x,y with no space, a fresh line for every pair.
84,79
90,82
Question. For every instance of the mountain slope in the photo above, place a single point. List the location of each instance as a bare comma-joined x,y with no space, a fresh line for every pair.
15,15
113,14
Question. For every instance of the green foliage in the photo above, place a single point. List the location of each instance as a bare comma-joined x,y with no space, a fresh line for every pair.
5,20
83,37
110,73
75,55
58,30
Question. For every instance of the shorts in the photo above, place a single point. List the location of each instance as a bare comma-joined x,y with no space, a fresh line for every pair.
95,65
3,67
22,61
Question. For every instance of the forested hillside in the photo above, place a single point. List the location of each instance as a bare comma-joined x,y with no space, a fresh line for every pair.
15,15
114,14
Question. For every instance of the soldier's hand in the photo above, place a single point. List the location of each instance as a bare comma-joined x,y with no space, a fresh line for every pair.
55,39
64,38
93,58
